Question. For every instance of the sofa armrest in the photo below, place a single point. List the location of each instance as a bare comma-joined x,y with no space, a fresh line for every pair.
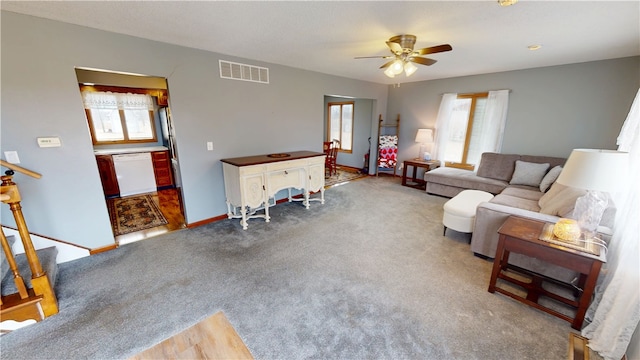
489,218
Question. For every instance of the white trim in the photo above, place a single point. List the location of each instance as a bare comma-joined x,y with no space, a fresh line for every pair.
66,252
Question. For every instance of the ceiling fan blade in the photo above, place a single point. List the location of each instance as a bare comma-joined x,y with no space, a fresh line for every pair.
374,57
423,61
387,64
395,47
434,49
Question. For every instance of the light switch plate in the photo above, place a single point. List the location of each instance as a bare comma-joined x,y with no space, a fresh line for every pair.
51,141
12,157
209,145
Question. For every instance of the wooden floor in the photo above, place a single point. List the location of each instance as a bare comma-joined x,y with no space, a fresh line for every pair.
212,338
170,204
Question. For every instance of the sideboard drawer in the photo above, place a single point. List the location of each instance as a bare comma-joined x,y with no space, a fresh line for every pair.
289,164
278,180
254,169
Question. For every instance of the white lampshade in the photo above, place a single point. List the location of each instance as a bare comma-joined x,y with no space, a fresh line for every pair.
424,136
389,72
397,67
409,68
594,169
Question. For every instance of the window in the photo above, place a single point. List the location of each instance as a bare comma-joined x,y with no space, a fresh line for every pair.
340,124
119,118
469,125
465,128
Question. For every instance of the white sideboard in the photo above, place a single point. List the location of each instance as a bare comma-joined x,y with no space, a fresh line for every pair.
252,182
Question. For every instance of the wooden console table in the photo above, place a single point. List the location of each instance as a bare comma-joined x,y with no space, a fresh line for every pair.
521,236
417,163
251,182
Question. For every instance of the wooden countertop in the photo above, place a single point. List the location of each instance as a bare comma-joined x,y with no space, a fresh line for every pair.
270,158
115,151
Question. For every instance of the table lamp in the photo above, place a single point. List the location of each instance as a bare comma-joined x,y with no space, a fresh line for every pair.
423,137
598,172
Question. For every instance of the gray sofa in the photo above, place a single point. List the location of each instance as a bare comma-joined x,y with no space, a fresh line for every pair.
523,186
493,174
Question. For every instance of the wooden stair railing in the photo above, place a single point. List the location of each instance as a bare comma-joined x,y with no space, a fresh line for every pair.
41,299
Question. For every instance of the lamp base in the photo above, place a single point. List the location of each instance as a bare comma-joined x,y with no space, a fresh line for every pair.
589,210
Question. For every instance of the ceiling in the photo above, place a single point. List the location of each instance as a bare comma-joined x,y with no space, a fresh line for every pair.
326,36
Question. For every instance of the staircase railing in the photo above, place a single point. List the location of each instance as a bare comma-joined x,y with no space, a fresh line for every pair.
40,301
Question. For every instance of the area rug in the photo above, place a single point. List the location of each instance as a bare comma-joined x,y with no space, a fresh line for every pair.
342,176
134,214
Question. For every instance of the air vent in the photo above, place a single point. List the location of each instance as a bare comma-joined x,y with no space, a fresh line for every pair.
237,71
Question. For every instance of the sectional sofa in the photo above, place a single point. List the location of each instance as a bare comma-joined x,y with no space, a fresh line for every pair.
524,186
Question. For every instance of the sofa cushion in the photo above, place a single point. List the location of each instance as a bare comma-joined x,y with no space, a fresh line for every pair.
550,178
523,192
497,166
528,173
464,179
560,200
515,201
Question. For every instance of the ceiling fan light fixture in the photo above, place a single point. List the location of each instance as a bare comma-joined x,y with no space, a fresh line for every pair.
389,72
397,67
404,56
507,2
409,68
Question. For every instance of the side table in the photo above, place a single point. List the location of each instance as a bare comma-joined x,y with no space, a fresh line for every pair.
522,236
417,163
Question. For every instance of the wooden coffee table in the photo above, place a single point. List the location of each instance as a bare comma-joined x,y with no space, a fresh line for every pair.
522,236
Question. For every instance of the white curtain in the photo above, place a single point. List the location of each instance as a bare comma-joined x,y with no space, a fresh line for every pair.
493,124
109,100
489,136
615,311
442,125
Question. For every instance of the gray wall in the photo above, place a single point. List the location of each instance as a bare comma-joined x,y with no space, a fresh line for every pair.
40,96
552,110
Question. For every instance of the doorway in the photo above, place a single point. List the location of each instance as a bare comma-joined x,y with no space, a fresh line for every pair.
130,123
357,158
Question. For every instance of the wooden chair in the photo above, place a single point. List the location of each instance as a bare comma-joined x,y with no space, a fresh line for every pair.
331,150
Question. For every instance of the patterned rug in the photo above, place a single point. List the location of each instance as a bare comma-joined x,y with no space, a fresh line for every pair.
134,214
342,176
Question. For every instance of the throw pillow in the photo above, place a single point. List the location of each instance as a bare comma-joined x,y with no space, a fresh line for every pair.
560,200
527,173
550,178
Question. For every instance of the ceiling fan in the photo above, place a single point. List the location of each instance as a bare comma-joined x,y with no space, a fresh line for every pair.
401,47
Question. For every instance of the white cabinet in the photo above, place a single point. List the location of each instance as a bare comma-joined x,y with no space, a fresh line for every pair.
316,178
251,183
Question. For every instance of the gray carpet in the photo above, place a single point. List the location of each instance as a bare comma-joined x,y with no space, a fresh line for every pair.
368,275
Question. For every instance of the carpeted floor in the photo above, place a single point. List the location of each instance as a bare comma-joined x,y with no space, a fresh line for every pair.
134,213
367,275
